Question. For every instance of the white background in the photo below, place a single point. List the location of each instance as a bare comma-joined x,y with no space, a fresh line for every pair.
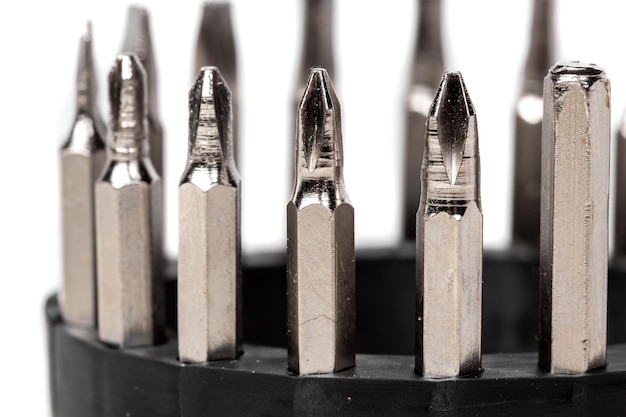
485,39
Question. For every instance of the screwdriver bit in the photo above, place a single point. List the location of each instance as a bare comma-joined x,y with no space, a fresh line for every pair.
574,218
215,46
138,40
528,117
128,218
209,240
317,48
426,71
320,240
82,159
449,238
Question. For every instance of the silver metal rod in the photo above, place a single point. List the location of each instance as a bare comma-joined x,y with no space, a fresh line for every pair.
209,235
82,158
320,240
128,219
574,218
450,238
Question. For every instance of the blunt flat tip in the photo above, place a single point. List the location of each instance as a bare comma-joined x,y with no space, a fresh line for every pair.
87,35
576,68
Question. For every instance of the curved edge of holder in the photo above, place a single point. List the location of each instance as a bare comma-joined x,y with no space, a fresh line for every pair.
90,379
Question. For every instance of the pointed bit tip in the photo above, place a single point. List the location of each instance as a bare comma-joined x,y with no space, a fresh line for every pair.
210,118
452,108
88,32
85,77
317,115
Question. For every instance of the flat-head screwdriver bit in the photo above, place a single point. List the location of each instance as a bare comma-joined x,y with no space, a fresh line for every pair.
528,117
449,238
209,219
425,74
574,218
215,46
82,159
320,240
138,40
128,218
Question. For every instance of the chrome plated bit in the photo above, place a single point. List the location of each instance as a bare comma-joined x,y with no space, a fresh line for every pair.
528,117
82,159
449,238
138,40
317,48
215,46
209,240
574,218
128,218
320,240
426,71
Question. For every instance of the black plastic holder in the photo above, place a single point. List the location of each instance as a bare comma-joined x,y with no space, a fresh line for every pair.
90,379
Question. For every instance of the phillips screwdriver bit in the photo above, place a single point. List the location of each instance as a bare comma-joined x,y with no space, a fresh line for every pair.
138,40
128,218
82,159
215,46
317,48
209,240
426,71
320,240
449,238
574,218
528,117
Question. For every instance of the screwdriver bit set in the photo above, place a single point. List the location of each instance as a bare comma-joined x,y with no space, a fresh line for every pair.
437,322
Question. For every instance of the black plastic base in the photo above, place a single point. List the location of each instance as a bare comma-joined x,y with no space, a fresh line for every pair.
89,379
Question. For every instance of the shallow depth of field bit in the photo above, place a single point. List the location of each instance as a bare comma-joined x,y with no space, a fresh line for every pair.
215,46
574,218
209,240
426,70
320,240
317,48
128,218
528,117
82,159
138,40
449,238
